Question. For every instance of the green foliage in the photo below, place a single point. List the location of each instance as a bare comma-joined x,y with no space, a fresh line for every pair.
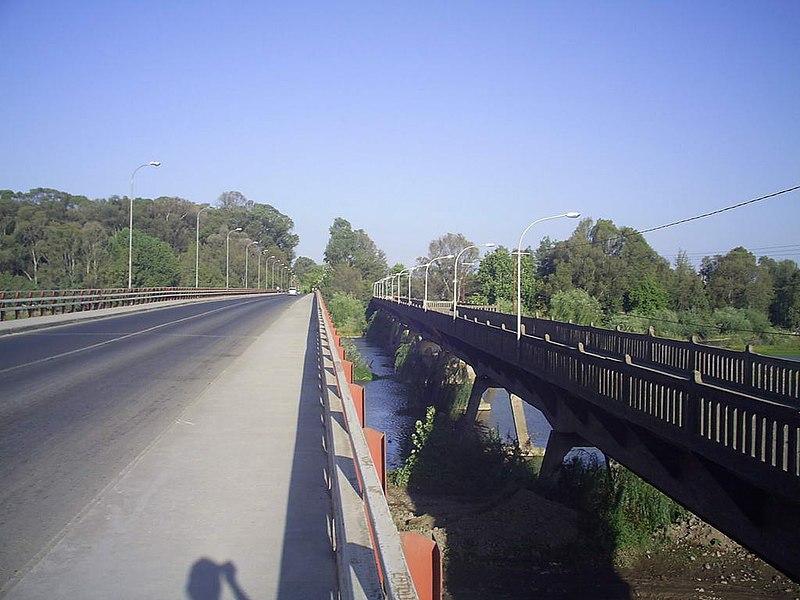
576,306
348,314
736,280
154,263
56,240
447,458
646,296
419,438
742,325
361,370
620,509
355,260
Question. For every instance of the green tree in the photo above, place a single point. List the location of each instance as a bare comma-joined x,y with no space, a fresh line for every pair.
646,296
576,306
784,310
735,280
355,259
154,263
686,287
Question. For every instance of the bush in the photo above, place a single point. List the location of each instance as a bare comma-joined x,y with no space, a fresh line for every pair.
348,314
576,306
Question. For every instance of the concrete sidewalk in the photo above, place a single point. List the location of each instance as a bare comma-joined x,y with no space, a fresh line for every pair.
230,501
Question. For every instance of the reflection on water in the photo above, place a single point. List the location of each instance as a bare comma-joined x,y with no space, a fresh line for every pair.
501,420
387,409
386,401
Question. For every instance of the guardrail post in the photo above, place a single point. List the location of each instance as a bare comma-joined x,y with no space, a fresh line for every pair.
376,441
357,392
425,563
348,370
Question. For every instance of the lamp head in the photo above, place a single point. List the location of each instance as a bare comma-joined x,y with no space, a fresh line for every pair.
572,215
154,163
489,245
238,229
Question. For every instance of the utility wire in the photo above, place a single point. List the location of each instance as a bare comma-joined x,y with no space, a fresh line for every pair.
623,236
721,210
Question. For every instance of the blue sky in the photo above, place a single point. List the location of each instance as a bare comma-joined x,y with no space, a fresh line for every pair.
415,119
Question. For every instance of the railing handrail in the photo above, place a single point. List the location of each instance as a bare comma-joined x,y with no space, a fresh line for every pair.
388,549
26,303
744,371
759,435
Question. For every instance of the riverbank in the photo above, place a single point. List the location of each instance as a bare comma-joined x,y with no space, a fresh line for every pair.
525,546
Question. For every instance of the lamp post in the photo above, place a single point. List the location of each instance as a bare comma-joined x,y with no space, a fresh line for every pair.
152,163
569,215
228,258
197,249
427,267
246,261
264,254
455,271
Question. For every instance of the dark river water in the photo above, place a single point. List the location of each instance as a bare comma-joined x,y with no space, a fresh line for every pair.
387,409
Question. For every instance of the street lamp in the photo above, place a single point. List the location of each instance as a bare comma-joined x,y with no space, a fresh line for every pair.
264,254
152,163
271,256
228,258
569,215
455,271
427,267
247,260
197,250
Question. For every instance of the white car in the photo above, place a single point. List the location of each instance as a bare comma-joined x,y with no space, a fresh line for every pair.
293,291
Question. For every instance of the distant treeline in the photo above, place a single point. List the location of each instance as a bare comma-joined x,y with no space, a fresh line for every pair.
51,239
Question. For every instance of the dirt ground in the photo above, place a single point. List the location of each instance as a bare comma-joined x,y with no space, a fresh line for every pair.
521,545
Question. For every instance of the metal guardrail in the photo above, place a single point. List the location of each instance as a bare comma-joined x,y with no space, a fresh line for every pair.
24,304
389,560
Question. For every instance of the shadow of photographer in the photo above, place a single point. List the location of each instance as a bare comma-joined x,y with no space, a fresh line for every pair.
206,579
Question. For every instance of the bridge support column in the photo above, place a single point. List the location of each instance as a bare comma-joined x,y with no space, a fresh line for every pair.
520,425
558,446
479,387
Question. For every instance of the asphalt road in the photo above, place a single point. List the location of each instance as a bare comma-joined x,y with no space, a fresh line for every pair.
79,403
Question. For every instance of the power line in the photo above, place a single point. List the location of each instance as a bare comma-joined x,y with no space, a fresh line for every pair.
623,236
721,210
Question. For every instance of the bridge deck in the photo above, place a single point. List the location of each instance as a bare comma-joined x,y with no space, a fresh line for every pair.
229,501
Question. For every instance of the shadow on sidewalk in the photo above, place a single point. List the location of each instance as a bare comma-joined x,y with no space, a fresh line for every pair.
308,563
206,580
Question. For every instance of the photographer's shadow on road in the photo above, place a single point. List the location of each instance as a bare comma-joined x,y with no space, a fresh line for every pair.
206,579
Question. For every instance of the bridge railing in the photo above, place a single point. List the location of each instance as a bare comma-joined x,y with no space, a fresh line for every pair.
348,449
744,371
757,437
30,303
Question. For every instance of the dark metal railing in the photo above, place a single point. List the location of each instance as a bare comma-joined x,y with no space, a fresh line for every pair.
23,304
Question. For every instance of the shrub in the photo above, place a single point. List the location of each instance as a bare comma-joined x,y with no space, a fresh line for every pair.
348,315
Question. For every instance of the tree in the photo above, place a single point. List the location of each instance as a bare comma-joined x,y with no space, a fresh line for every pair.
646,296
154,263
440,273
686,287
356,260
736,280
234,199
496,278
576,306
784,310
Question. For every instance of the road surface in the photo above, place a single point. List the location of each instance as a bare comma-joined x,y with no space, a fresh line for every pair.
79,403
